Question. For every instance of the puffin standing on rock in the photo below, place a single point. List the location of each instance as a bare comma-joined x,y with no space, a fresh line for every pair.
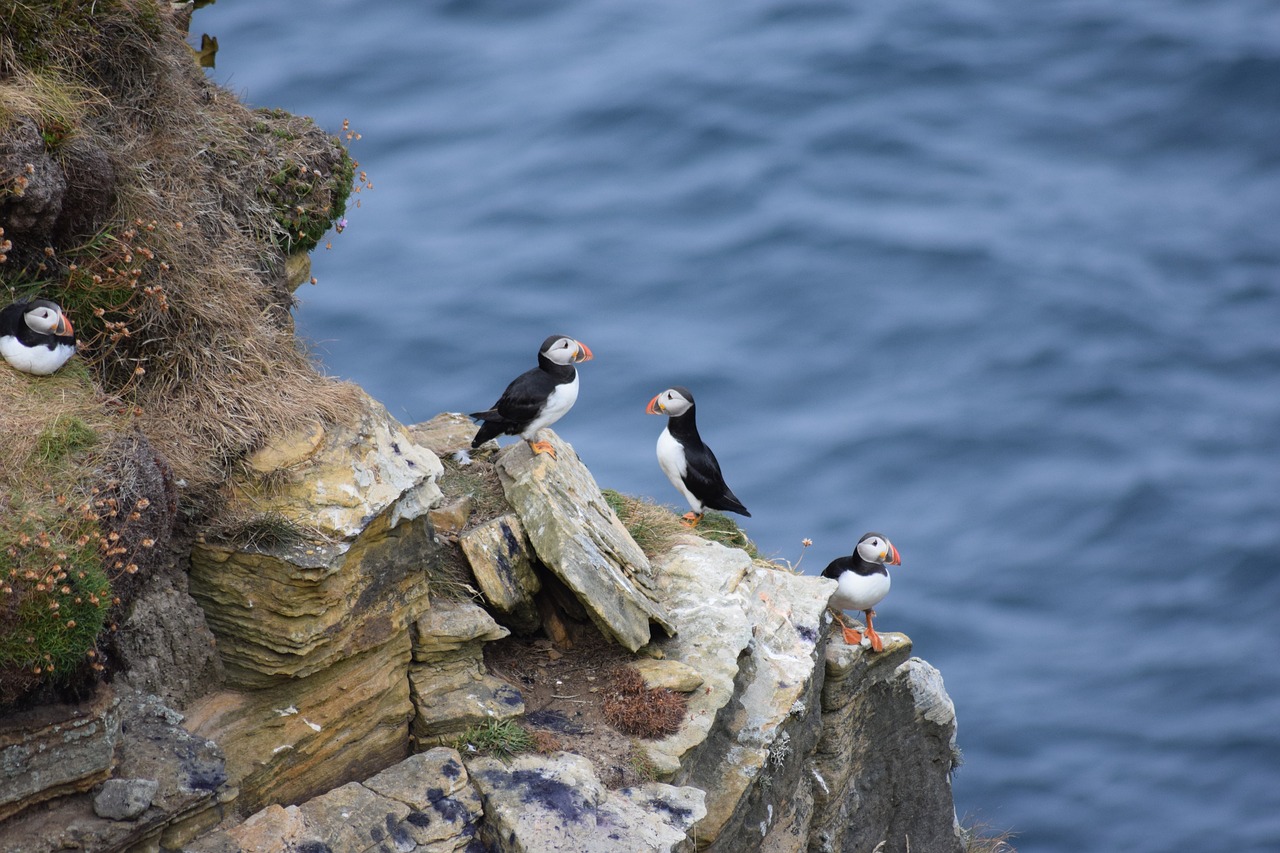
36,337
688,463
538,397
862,581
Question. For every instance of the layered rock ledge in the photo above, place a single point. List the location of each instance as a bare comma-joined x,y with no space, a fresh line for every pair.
790,740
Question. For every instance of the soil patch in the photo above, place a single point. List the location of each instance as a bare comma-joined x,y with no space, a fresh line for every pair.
564,691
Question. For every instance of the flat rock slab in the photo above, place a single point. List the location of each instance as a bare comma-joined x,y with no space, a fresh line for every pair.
537,803
424,804
501,559
580,539
445,434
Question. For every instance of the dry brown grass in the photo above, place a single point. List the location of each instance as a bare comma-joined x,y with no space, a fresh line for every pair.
175,280
181,297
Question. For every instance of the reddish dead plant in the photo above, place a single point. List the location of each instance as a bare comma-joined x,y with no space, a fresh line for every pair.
644,712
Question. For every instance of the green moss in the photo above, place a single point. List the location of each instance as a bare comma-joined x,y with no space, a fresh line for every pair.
310,187
719,527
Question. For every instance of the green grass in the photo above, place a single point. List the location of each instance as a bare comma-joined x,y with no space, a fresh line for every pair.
719,527
499,738
640,764
67,435
656,527
478,481
54,593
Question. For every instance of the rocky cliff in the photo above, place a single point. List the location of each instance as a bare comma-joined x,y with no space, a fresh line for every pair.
359,674
324,632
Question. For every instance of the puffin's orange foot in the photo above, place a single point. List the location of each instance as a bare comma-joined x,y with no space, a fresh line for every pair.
691,519
876,644
542,447
852,636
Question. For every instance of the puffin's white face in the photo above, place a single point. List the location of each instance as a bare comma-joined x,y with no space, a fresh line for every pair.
45,318
877,549
669,402
565,350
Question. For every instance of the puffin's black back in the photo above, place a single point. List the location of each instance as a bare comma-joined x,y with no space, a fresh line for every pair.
524,398
702,474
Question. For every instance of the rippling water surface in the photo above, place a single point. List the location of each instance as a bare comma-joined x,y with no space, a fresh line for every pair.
999,280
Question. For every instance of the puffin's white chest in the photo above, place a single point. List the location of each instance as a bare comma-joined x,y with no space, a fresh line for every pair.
859,592
672,460
38,360
561,401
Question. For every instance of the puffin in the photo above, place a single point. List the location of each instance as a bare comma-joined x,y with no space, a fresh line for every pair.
862,581
36,337
688,463
538,397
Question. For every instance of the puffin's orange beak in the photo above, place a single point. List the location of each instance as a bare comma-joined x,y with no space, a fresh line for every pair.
584,352
64,326
894,559
652,408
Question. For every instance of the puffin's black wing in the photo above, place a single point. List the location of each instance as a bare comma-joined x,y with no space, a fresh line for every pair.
837,567
518,405
11,318
702,477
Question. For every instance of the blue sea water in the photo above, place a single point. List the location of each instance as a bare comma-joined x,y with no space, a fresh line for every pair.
1000,280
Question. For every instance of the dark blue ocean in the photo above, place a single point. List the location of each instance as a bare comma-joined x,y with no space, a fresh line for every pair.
1000,280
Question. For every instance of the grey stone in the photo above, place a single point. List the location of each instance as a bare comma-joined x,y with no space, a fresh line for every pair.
169,649
152,745
755,634
124,799
501,559
35,184
448,683
56,750
580,539
536,803
424,804
885,755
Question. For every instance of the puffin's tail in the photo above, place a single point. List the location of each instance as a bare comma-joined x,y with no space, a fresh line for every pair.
491,426
729,503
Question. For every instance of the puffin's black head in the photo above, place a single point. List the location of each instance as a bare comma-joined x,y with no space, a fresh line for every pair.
561,349
674,401
874,548
45,316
